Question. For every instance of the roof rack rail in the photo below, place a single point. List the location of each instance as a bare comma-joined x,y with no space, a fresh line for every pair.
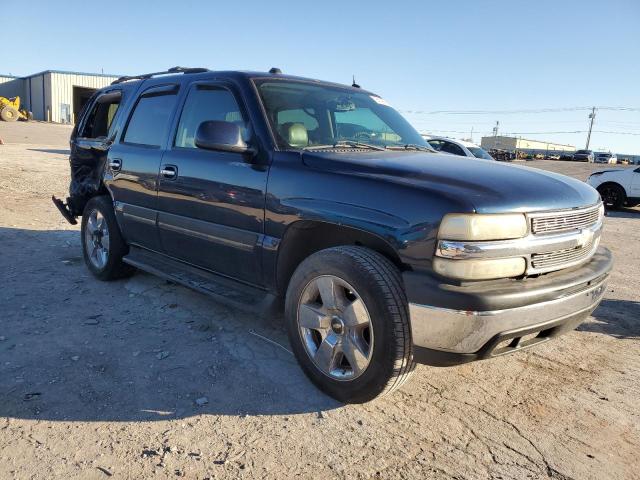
144,76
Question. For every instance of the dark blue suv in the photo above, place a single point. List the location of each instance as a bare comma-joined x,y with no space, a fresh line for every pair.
262,187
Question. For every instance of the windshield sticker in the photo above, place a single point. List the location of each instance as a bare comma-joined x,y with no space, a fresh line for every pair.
380,101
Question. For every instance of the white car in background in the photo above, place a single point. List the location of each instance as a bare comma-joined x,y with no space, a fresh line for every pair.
457,147
605,157
617,187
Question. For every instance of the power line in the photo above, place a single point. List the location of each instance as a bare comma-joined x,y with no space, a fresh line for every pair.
572,131
488,132
616,133
487,123
521,111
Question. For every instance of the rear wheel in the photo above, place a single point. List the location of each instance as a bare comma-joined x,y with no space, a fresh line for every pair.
613,196
348,323
102,243
9,114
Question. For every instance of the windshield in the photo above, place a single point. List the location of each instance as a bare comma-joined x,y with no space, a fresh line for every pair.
583,152
303,115
479,153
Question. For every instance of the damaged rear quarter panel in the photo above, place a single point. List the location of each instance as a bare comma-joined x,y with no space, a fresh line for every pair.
89,155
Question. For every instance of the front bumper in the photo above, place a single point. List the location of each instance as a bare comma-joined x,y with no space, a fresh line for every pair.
473,322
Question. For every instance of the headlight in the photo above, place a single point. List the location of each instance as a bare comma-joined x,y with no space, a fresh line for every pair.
480,269
476,226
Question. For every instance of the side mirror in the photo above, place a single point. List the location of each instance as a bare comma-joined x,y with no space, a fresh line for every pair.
221,136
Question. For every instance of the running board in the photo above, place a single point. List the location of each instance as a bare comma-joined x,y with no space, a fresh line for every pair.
226,291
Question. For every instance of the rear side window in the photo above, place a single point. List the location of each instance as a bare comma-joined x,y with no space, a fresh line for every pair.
149,121
100,118
436,144
452,148
205,103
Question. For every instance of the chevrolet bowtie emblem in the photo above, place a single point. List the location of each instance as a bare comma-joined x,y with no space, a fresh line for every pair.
585,237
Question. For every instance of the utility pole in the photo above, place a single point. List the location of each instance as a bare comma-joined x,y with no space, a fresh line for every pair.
592,116
495,129
471,134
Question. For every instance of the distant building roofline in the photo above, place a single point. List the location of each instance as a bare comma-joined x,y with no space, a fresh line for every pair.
64,72
531,140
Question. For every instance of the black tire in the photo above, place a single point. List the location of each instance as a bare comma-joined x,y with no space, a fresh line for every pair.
379,285
9,114
613,195
116,248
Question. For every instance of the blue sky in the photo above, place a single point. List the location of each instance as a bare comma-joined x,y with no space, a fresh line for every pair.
421,56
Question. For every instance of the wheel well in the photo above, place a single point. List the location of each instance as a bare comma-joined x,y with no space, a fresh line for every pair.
611,184
78,202
304,238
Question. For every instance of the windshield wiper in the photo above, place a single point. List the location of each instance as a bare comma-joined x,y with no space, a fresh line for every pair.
411,146
345,143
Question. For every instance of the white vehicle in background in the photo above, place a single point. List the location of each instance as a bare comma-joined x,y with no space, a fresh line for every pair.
457,147
605,157
617,187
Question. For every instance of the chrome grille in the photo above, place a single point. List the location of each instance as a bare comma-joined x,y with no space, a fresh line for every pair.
565,221
563,258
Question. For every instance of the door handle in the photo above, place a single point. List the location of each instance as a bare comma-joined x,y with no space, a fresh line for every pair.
115,164
169,171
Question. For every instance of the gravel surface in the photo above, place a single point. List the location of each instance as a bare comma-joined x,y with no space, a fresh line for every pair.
140,378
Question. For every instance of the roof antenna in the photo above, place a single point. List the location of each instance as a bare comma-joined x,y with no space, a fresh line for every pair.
275,71
354,84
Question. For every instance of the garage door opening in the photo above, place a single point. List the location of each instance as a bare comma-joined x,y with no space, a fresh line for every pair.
81,96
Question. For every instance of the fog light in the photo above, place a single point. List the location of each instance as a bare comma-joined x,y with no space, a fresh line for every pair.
480,269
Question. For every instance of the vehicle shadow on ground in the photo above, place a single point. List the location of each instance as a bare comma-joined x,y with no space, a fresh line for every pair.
51,150
625,212
618,318
73,348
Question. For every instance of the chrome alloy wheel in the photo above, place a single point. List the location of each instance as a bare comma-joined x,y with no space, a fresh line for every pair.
96,239
335,327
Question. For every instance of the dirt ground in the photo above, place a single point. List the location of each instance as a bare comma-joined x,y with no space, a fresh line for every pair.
140,378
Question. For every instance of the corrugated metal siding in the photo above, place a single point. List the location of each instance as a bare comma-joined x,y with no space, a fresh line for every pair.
36,98
47,98
13,87
511,143
4,79
60,90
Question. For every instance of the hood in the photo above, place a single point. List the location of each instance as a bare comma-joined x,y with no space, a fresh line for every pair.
488,187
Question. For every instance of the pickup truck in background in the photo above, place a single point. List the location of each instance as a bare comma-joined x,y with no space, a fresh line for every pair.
583,156
324,199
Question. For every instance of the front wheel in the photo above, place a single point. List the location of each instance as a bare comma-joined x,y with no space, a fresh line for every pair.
348,323
102,243
9,114
613,196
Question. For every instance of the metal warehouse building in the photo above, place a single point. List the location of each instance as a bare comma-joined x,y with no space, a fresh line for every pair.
513,143
54,95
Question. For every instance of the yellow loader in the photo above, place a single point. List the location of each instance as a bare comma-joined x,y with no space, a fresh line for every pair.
10,110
